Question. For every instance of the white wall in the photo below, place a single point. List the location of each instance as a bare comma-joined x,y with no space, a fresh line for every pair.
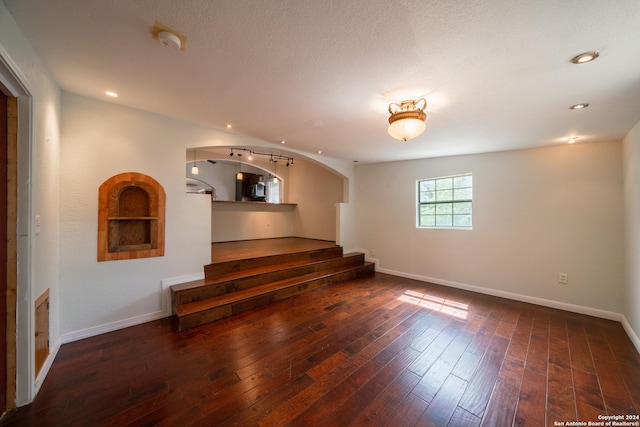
38,152
632,229
101,140
316,191
246,221
536,213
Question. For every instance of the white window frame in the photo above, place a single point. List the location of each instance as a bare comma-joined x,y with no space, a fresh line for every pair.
444,196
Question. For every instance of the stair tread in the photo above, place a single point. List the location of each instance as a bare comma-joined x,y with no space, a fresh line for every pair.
253,272
196,306
233,265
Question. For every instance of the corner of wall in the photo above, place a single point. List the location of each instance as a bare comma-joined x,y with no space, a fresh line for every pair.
631,177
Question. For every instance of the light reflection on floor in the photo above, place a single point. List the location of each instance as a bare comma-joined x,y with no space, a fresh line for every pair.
446,306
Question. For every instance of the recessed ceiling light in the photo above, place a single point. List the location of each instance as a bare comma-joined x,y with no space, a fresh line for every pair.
583,58
579,106
319,151
229,126
283,142
111,94
572,139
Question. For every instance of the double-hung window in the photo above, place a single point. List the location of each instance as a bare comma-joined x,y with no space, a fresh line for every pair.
445,202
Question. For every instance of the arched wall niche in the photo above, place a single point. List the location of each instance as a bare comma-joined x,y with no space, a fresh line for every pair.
131,217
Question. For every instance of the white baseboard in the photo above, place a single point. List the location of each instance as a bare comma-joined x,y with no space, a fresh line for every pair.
604,314
113,326
630,332
53,352
165,311
509,295
609,315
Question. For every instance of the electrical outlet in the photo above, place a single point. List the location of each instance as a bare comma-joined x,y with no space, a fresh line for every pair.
563,278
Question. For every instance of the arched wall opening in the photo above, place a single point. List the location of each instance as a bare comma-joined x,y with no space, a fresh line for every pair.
310,194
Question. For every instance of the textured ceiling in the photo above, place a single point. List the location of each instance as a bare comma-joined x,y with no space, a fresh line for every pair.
320,74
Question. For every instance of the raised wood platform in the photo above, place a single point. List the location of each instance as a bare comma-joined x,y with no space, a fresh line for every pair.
250,274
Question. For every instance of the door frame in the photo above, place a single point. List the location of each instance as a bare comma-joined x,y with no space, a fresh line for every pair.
15,84
4,243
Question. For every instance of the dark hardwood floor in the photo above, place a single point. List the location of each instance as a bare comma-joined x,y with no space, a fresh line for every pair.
375,351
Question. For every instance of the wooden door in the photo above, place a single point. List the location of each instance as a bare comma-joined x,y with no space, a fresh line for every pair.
42,330
3,252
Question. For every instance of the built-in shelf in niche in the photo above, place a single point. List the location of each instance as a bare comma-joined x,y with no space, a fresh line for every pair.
131,209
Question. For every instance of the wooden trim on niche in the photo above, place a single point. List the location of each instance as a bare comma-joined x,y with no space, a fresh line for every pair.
112,219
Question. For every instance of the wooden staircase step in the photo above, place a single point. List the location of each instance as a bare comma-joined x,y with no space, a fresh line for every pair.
237,281
207,310
217,269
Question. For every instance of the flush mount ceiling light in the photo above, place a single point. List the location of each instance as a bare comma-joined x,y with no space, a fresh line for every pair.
407,119
111,93
579,106
583,58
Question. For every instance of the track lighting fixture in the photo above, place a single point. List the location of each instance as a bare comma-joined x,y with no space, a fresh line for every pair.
273,158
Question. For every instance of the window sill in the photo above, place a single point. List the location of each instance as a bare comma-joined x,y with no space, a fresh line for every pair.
444,228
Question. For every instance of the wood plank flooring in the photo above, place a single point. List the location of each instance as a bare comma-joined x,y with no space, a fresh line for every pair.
243,249
380,351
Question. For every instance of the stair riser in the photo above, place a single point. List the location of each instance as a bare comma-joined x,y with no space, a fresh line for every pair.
192,320
214,270
211,291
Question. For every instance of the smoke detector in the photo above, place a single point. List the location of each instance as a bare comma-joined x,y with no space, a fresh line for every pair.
168,37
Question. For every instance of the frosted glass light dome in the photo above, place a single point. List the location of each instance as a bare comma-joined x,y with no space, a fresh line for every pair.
406,128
